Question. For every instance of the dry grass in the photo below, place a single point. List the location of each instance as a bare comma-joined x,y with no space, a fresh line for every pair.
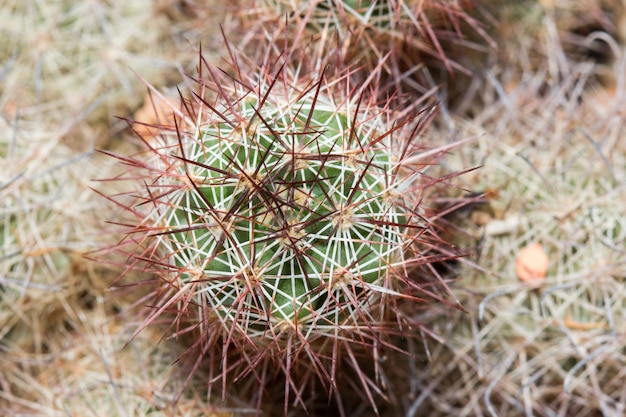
549,129
64,72
77,61
87,371
551,147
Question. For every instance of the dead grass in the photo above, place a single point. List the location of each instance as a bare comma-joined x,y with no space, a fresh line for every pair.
64,73
79,60
87,371
552,149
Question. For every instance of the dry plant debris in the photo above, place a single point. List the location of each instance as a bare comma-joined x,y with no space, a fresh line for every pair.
531,263
64,71
155,111
79,59
557,157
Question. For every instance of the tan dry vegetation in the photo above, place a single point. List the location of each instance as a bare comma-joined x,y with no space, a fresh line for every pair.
553,149
66,69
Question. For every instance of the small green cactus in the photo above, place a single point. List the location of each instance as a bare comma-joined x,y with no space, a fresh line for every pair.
295,203
400,35
283,223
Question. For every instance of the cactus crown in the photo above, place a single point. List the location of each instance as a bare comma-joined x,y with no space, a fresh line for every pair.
286,211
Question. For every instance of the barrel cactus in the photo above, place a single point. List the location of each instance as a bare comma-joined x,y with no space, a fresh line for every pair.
282,211
405,37
282,223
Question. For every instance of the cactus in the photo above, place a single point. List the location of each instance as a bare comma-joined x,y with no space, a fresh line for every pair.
418,44
282,223
290,206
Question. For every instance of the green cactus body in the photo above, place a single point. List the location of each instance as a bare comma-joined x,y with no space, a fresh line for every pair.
294,213
283,224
